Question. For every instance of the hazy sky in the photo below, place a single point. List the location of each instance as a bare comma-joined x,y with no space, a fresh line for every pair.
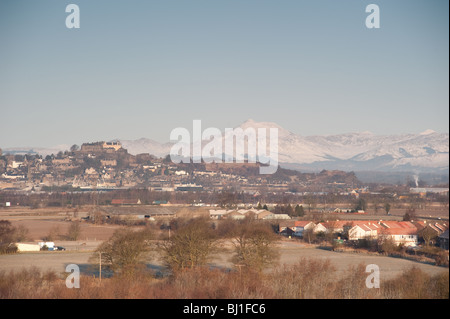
141,68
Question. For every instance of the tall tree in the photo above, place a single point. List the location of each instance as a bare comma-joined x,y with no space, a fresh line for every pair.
299,211
361,205
387,208
74,148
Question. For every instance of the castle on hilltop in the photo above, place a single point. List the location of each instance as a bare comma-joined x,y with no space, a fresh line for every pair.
100,147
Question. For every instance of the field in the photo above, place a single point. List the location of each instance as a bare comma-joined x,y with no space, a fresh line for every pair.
290,253
41,222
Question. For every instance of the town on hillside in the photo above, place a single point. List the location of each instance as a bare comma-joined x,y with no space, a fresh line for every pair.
105,175
108,166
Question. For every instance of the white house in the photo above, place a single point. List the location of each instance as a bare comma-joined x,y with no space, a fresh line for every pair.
404,232
320,228
400,232
400,237
364,230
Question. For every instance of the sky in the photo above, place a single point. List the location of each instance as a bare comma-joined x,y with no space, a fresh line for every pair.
142,68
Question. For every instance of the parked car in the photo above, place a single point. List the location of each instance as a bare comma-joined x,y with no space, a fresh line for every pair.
59,248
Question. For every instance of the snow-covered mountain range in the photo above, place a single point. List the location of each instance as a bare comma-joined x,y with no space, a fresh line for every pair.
424,152
364,151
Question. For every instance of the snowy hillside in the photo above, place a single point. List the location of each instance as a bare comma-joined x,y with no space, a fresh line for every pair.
350,151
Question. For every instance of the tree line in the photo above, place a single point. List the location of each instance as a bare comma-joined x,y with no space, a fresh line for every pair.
189,244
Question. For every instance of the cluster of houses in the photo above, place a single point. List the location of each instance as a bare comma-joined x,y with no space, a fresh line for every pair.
243,213
401,232
103,166
406,233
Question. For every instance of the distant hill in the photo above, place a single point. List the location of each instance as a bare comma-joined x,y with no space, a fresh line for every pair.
44,151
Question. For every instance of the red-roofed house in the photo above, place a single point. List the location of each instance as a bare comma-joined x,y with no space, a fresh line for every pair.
364,230
338,226
400,232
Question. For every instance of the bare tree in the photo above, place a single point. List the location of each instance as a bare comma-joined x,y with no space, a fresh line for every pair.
309,235
74,231
190,246
428,234
124,252
54,233
332,230
21,233
7,233
254,245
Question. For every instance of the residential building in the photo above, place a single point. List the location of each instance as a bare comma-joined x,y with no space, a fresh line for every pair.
364,230
443,240
301,225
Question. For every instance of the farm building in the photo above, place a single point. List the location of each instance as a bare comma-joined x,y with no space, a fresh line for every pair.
21,247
